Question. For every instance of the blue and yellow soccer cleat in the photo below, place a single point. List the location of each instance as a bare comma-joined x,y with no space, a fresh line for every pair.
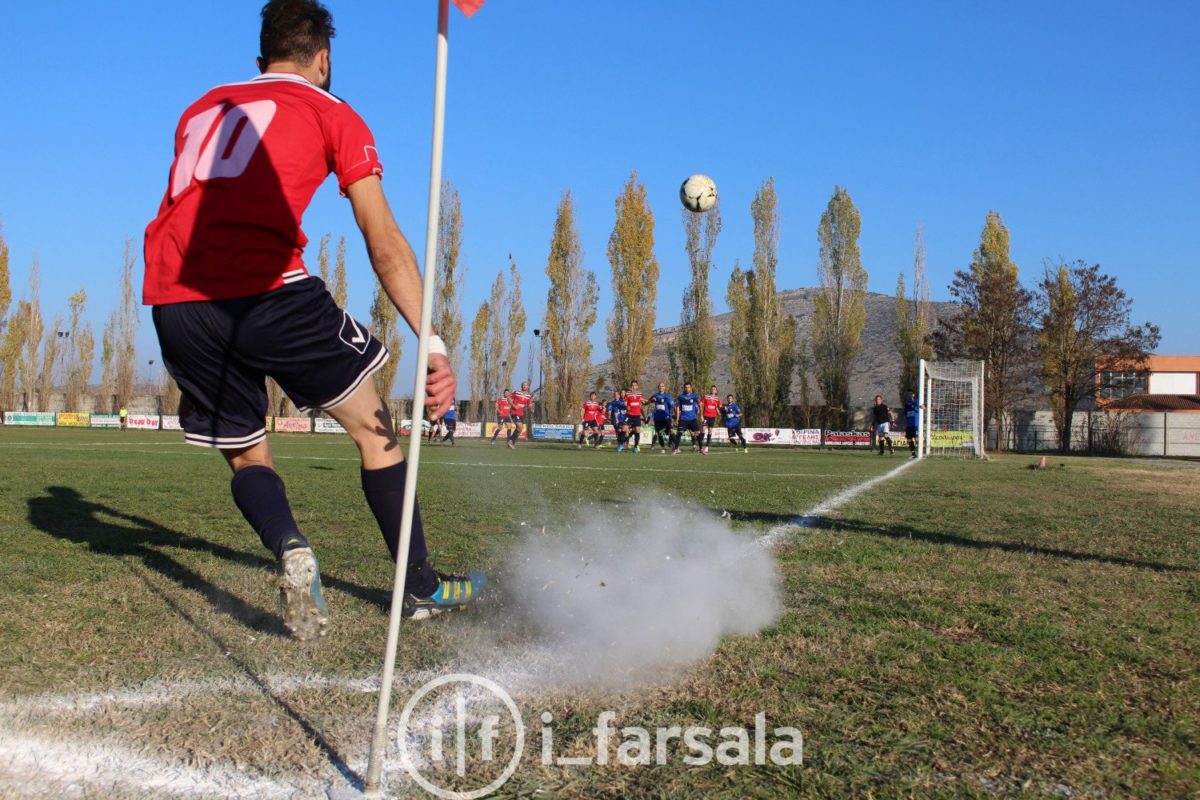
300,600
454,593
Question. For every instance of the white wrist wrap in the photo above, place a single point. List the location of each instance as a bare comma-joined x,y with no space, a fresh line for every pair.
437,346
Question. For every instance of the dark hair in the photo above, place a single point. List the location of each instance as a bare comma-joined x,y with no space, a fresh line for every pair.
294,30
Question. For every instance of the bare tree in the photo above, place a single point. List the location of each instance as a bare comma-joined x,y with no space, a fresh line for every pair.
695,349
31,342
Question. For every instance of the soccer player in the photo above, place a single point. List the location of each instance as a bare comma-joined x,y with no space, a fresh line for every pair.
522,400
732,414
600,427
233,302
615,411
687,406
912,421
661,407
710,407
633,414
449,422
882,416
587,417
504,420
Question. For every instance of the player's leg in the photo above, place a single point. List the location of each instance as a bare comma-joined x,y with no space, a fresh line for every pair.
637,437
223,405
451,429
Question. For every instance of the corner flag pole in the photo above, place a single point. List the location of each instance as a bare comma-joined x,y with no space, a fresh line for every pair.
379,739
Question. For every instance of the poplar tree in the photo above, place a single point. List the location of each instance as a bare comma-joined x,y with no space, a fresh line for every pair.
10,355
323,259
635,284
514,326
839,309
478,356
447,317
5,280
762,337
31,342
694,351
341,287
126,331
1083,328
993,325
50,351
913,317
385,328
81,351
108,365
570,313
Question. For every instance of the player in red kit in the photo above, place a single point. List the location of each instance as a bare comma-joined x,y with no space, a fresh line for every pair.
504,420
588,417
710,408
521,402
233,301
633,415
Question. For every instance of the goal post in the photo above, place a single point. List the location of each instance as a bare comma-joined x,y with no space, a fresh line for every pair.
951,397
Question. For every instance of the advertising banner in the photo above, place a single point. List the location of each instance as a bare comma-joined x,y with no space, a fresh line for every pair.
43,418
142,422
406,427
490,428
171,423
767,435
105,421
327,425
468,429
71,419
556,433
807,437
852,438
293,424
950,439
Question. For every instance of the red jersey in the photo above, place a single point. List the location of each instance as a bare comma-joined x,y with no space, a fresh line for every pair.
633,404
520,402
710,405
591,411
248,159
503,408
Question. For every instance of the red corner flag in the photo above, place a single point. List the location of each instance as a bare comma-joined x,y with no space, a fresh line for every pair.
468,7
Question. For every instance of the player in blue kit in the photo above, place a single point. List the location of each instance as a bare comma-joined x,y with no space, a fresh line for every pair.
662,405
687,418
912,422
615,411
732,414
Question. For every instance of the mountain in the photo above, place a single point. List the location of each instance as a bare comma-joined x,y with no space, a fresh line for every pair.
875,371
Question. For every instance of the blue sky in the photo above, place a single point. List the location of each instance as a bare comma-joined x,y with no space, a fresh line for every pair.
1078,122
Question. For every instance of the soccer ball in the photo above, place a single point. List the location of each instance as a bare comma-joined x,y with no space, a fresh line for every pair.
698,193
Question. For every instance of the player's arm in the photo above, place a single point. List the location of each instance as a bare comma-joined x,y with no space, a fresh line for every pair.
396,265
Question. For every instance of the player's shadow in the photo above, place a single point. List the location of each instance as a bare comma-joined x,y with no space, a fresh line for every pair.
67,515
956,540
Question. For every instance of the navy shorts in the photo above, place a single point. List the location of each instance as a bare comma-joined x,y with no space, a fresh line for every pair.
662,425
221,351
692,425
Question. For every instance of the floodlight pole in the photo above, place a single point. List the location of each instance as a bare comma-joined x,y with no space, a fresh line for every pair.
379,738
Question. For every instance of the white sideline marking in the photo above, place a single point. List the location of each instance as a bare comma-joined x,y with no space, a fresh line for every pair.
35,762
196,451
805,520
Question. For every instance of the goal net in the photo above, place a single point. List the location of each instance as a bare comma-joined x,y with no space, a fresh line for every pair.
951,398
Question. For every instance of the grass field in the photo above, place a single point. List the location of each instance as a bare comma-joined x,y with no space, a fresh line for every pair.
963,629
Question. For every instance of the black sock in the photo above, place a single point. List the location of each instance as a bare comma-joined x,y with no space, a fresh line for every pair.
384,490
637,438
259,494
